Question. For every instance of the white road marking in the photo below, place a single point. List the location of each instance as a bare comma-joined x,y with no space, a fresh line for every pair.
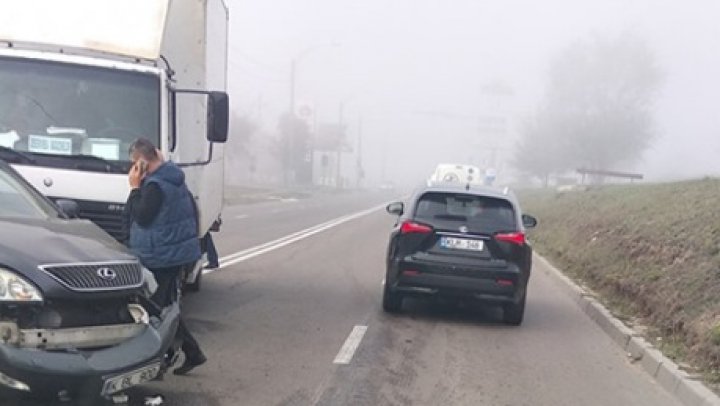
249,253
351,345
241,216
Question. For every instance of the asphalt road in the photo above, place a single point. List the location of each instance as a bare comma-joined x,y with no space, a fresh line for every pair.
273,322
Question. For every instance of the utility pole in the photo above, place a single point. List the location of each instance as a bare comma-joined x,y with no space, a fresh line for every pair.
289,143
288,160
338,179
359,170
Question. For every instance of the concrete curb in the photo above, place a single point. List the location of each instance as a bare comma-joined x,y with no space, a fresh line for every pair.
689,391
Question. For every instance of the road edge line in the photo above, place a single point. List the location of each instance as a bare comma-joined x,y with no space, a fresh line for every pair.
664,371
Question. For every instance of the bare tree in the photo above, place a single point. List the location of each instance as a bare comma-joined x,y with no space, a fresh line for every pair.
598,106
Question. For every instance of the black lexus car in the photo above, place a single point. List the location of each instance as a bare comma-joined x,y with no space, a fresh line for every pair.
460,241
75,321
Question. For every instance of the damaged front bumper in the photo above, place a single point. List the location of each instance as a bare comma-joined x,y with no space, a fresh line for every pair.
49,362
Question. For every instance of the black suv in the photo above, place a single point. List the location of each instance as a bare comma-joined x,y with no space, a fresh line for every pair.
460,241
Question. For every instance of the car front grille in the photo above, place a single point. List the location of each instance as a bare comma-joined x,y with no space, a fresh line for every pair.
89,277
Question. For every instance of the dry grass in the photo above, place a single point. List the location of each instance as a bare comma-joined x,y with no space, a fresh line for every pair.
653,252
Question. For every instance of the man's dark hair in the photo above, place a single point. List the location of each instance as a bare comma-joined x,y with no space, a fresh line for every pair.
145,148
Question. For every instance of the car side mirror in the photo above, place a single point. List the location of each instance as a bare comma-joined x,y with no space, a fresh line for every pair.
529,221
218,111
69,208
396,208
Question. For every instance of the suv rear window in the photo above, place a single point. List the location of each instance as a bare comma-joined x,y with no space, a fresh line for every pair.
482,213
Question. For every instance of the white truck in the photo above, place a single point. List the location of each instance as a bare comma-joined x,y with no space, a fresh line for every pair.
456,173
81,79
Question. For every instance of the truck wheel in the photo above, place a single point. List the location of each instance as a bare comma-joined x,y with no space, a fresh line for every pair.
391,302
195,286
513,313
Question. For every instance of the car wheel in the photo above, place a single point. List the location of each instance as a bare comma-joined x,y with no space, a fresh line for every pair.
513,313
392,302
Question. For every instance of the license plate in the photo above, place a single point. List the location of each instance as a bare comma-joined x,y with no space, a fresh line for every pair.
461,244
121,382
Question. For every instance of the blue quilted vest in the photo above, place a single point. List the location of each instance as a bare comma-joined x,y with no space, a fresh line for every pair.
172,238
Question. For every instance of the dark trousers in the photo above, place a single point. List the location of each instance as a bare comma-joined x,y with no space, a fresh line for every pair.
212,254
167,293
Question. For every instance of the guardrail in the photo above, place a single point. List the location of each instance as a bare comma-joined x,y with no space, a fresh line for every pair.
611,174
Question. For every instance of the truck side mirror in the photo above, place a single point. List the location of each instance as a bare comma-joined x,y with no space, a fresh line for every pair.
218,116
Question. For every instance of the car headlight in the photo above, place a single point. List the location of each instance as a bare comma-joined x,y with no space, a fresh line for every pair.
15,288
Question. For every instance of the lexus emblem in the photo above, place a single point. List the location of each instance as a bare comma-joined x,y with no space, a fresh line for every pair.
463,229
48,182
107,273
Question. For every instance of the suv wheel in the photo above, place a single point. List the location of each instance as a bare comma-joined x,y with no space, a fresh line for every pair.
392,302
513,313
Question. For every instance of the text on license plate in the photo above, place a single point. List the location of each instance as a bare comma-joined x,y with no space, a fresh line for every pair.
121,382
461,244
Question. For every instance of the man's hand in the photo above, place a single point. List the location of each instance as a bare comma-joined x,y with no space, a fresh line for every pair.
135,176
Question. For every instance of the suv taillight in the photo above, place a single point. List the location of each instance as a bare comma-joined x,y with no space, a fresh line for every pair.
411,227
514,238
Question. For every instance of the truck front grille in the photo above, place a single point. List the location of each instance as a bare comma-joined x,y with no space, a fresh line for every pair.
89,277
108,216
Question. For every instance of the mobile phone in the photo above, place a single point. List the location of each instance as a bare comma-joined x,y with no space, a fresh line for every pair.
142,166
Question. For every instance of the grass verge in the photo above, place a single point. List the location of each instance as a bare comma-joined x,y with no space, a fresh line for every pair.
651,251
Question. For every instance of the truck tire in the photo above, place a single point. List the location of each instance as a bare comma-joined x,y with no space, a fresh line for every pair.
195,285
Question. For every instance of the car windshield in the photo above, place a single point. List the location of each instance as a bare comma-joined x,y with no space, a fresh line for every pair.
62,109
18,200
482,213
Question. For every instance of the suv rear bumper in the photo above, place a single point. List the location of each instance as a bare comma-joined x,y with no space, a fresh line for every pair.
490,284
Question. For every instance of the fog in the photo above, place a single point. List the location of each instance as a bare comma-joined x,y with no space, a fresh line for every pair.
412,77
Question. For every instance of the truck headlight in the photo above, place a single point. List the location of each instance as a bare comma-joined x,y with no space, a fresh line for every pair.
15,288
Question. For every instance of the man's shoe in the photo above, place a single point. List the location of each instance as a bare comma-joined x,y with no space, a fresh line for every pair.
190,364
212,266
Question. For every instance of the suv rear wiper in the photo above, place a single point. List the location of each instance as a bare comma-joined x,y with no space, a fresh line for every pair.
19,154
456,217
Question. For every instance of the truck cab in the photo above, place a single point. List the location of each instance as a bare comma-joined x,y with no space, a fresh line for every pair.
73,97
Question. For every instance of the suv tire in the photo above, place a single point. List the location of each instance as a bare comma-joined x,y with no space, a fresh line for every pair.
391,302
513,313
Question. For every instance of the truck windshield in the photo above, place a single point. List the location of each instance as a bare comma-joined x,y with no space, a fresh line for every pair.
74,116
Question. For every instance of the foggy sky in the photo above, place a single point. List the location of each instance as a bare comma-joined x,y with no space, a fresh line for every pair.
393,59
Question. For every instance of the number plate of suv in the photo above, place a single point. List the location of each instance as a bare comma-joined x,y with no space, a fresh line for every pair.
130,379
461,244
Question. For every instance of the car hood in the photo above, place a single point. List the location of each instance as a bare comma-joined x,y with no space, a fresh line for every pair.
26,244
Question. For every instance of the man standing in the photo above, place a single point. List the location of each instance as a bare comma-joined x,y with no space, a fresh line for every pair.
163,232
